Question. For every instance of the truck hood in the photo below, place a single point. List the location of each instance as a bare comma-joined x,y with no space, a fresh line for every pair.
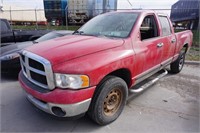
66,48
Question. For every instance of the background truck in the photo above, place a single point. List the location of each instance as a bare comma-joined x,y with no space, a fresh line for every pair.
55,11
79,11
9,55
8,35
95,69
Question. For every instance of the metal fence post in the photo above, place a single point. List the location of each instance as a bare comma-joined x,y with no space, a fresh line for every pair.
36,18
66,15
10,17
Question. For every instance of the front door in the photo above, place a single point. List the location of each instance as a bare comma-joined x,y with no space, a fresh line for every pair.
149,49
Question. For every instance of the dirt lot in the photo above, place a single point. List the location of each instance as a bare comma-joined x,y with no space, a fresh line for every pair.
171,105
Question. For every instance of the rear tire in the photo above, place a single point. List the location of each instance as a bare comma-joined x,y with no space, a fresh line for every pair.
177,66
108,101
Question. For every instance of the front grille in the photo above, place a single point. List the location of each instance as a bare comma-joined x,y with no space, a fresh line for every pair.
37,70
36,65
38,77
23,58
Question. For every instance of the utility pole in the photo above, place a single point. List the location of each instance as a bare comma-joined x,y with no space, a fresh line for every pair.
66,16
10,17
36,18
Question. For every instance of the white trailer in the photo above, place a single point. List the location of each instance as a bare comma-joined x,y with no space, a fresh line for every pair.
22,14
79,11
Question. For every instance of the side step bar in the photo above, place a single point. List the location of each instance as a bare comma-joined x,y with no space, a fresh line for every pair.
148,84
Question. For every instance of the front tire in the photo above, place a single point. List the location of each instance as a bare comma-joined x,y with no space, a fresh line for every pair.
177,66
109,100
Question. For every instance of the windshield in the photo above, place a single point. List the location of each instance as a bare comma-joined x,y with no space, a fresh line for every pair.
117,25
48,36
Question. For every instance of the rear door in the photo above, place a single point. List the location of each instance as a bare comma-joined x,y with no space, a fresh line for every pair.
169,39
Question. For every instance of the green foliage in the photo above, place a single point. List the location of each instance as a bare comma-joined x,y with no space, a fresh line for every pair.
196,40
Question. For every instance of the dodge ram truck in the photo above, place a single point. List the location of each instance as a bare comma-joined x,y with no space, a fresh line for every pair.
94,70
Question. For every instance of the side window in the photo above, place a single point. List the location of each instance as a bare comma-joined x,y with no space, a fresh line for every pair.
166,29
148,29
4,26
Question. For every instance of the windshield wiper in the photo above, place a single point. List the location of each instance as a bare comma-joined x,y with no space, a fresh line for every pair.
34,41
78,32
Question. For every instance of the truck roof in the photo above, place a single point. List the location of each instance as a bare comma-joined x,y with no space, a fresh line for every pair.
140,11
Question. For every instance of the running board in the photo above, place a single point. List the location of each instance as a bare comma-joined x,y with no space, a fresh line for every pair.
148,84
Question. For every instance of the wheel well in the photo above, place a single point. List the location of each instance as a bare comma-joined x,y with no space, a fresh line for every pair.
185,47
125,74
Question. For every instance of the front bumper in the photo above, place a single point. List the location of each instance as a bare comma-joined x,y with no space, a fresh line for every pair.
61,110
58,102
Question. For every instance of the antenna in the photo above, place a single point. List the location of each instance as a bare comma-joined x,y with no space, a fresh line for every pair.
130,3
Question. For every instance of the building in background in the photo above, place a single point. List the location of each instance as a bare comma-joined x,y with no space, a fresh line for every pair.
185,14
55,11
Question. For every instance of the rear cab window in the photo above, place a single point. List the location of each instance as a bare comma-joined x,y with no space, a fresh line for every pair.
165,25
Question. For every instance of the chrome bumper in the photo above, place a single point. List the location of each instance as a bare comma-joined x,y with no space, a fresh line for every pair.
69,110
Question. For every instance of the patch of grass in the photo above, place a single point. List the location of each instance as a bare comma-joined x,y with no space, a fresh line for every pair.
41,27
193,54
196,41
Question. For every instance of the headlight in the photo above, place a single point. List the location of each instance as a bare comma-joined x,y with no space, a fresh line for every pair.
9,56
71,81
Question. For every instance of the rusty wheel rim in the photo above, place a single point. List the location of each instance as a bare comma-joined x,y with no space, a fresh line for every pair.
112,102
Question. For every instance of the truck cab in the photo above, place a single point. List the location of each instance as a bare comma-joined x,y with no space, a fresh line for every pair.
6,31
9,35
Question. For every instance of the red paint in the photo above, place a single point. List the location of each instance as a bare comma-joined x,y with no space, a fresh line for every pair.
98,56
60,96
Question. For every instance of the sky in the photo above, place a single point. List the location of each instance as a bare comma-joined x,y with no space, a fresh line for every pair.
122,4
145,4
32,4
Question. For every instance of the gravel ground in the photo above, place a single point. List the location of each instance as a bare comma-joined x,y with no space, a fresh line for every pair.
170,105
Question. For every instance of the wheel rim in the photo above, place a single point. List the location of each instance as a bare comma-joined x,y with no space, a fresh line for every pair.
181,62
112,102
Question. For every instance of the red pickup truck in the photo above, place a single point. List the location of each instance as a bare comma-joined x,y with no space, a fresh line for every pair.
94,69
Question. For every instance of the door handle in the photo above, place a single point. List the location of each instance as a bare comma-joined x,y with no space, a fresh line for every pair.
160,45
173,40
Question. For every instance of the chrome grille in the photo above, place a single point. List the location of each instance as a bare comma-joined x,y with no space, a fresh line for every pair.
37,70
